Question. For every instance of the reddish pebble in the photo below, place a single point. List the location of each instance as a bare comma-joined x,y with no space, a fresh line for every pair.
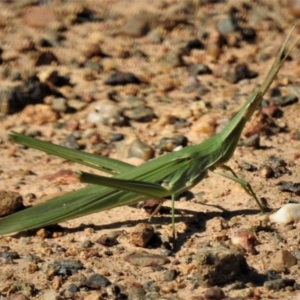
39,16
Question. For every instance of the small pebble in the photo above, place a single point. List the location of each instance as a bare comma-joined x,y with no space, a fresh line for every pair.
29,198
39,16
72,288
113,291
151,286
170,275
252,141
141,234
59,104
32,268
70,265
140,114
109,239
147,259
70,142
238,72
137,25
279,284
247,166
166,252
121,78
106,113
194,44
108,253
96,281
169,144
116,137
43,233
214,293
141,150
32,258
87,244
135,102
173,59
266,172
285,100
199,69
24,288
288,186
227,25
282,261
286,214
10,202
135,293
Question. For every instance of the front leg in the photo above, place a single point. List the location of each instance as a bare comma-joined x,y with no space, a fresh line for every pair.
244,184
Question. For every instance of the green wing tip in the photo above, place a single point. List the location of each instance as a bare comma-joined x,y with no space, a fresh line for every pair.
13,135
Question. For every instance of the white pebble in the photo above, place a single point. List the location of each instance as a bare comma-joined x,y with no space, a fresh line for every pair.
286,214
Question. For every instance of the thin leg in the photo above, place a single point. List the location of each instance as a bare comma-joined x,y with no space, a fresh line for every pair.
157,209
244,184
173,215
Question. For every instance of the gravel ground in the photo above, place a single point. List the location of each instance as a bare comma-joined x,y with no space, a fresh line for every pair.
134,80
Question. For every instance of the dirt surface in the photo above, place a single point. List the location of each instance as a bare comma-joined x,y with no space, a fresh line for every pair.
88,74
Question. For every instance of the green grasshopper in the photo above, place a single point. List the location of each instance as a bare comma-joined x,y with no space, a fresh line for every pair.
168,175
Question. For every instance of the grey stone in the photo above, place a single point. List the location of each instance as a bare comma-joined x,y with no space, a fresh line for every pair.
219,265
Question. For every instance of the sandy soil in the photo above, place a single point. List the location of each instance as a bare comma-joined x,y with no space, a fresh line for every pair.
155,41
